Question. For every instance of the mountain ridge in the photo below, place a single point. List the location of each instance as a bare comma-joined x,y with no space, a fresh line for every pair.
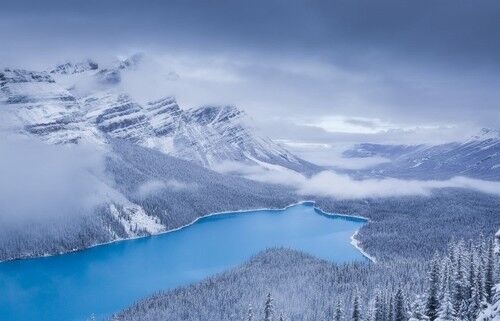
478,156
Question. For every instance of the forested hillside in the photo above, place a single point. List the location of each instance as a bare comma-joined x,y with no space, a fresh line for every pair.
425,232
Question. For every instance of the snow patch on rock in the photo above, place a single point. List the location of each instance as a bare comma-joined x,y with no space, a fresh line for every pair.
135,220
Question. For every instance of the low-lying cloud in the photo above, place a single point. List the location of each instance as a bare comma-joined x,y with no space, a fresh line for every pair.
340,186
329,155
40,181
328,183
153,187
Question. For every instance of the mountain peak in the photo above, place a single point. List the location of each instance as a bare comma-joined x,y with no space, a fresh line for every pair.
132,61
9,75
113,74
486,133
212,114
75,67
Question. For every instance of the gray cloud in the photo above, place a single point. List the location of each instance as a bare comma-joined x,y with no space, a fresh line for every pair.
423,29
410,64
342,186
40,181
299,96
156,186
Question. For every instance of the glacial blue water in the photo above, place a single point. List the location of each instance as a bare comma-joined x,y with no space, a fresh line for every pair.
107,278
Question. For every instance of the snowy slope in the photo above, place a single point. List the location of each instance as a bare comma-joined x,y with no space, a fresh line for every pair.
213,134
38,105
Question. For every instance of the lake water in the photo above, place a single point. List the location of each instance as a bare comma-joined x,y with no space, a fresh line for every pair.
107,278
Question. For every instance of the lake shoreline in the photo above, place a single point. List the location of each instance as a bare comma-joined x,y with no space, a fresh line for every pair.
206,246
354,242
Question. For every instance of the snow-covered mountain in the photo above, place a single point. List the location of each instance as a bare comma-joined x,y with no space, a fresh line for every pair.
156,158
75,68
36,104
477,157
365,150
208,135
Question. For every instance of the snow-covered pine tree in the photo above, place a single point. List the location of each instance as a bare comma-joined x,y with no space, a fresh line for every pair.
474,303
497,256
489,280
432,305
250,313
356,310
481,264
471,274
418,310
480,285
390,310
492,311
370,311
384,308
338,312
268,308
444,273
457,279
379,308
446,311
399,306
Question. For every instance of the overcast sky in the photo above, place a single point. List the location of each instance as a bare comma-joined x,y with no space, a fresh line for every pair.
309,71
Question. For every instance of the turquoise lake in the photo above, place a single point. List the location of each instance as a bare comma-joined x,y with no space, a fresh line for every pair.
105,279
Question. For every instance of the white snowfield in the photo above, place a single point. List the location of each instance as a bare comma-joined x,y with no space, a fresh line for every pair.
136,221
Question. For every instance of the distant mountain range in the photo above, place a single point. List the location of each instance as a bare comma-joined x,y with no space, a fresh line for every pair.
49,105
477,157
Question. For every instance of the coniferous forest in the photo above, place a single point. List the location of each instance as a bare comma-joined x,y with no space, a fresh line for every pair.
446,277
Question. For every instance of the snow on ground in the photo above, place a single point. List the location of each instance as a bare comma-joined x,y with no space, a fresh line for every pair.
492,311
135,221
